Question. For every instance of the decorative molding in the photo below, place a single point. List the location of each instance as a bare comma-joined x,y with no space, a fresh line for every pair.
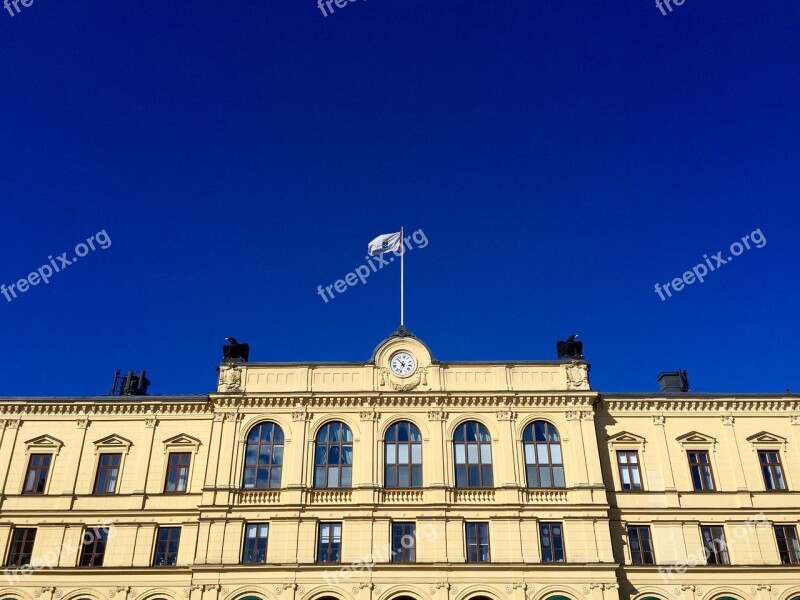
659,420
437,415
577,376
420,378
696,439
440,585
794,419
44,443
625,438
113,442
363,585
121,588
12,423
580,415
765,439
728,420
230,378
82,422
370,415
506,415
151,422
300,415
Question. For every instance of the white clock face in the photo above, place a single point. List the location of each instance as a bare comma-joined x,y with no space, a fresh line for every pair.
403,364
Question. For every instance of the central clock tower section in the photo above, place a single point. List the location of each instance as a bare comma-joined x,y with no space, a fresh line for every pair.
402,363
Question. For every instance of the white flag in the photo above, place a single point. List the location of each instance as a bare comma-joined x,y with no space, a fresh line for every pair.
388,242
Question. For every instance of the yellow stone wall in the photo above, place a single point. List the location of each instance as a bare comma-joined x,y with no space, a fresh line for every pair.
437,397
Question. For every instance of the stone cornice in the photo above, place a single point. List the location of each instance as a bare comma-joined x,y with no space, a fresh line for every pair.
84,409
648,406
428,401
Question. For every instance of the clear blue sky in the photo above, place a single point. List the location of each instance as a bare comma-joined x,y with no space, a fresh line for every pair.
561,159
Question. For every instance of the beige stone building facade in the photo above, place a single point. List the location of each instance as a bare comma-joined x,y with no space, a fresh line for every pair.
401,477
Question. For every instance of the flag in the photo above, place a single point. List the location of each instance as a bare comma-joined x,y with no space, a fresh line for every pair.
388,242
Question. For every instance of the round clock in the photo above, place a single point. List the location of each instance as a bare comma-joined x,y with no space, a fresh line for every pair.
403,364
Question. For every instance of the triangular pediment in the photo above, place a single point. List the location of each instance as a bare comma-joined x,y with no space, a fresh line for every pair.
765,437
44,441
182,439
625,437
114,440
695,437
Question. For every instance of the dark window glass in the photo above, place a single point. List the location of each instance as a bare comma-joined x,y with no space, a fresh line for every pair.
788,546
177,472
544,465
772,470
107,474
21,547
255,543
329,549
263,459
403,456
333,456
404,542
36,477
714,545
700,468
477,542
472,447
629,474
167,541
552,539
641,545
93,546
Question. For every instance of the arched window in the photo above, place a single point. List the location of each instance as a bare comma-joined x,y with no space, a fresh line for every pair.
403,456
544,465
473,455
263,458
333,458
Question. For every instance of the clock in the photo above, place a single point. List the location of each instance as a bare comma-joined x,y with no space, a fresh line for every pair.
403,364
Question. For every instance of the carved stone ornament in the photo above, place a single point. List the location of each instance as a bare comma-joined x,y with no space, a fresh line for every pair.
420,378
230,377
577,376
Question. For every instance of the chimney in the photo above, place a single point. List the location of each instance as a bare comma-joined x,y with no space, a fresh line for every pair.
674,381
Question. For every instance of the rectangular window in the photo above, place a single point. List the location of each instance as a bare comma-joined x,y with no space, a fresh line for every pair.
255,543
629,474
107,473
329,549
772,469
641,545
714,544
177,472
93,546
551,536
404,542
700,468
21,547
36,477
788,545
167,542
477,542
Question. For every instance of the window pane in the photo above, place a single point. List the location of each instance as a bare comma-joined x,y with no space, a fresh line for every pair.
486,453
555,452
416,454
391,453
460,454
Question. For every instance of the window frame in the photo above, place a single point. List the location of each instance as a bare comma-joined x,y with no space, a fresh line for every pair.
102,468
714,550
255,550
463,426
38,476
621,466
700,466
791,552
400,553
771,467
94,547
550,465
187,467
410,464
28,538
552,538
170,529
478,541
334,525
340,466
641,552
272,442
178,444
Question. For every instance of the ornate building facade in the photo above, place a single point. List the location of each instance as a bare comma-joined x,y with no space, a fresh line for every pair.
402,477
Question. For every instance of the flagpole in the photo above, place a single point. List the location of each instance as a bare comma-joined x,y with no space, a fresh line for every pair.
402,256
